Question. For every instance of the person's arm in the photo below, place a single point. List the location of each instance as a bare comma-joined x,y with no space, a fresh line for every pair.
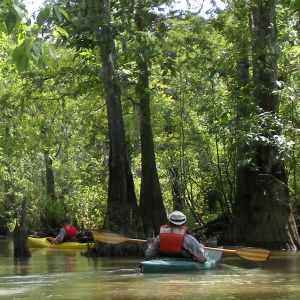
152,249
195,248
60,237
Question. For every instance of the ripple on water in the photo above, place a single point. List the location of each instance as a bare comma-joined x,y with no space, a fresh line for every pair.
14,291
69,276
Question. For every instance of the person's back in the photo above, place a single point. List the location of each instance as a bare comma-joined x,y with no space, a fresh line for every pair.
66,233
70,231
175,240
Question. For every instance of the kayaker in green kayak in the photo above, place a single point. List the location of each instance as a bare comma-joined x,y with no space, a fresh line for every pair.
175,240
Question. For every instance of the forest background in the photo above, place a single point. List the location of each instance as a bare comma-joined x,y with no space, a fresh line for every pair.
117,112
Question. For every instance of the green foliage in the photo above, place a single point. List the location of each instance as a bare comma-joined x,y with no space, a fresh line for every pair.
43,15
52,100
12,13
51,214
21,54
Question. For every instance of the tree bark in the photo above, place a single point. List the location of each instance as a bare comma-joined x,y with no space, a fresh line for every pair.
50,184
178,201
151,202
21,249
122,211
263,212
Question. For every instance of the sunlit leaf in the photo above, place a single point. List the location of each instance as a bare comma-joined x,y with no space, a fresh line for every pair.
52,53
2,26
20,11
60,32
64,14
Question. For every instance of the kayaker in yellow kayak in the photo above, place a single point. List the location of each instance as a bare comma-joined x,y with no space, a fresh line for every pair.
67,233
175,240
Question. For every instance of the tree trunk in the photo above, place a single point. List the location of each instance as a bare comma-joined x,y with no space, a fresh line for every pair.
178,201
8,205
151,202
122,211
52,213
242,45
50,184
21,249
263,212
9,197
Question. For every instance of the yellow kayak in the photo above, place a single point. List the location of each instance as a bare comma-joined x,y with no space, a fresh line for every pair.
34,242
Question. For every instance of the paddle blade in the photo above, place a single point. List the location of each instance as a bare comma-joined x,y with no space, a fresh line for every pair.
253,254
113,238
109,237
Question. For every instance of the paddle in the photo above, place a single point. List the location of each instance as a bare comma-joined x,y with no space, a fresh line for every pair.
253,254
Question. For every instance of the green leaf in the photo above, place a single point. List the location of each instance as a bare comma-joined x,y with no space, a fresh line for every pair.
296,5
22,54
43,15
11,21
59,31
3,27
57,13
52,53
49,56
64,14
20,11
37,50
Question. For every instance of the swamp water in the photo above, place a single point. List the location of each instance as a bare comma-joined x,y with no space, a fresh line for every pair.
57,274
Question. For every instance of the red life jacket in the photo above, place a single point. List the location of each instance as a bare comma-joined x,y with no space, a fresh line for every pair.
70,230
171,239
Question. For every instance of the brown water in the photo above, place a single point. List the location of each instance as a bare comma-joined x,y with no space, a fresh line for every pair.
57,274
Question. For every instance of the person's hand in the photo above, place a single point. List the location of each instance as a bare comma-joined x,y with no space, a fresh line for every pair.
51,240
150,240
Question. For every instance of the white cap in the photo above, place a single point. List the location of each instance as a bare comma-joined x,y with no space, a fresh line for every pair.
177,218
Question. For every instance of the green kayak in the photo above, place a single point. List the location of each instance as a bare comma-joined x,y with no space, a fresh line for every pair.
171,264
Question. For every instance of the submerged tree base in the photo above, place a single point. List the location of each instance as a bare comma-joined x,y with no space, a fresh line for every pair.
21,249
224,231
263,214
116,250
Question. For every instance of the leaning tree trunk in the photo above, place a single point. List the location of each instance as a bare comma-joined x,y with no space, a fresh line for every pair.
263,212
151,202
122,212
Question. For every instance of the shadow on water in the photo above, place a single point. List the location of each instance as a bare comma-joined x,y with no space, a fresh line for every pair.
57,274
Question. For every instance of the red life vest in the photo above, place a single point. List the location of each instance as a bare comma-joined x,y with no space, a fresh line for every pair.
171,239
70,230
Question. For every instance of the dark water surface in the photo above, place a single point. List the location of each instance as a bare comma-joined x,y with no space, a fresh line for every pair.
65,274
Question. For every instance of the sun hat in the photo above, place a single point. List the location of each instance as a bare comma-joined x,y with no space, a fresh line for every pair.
177,218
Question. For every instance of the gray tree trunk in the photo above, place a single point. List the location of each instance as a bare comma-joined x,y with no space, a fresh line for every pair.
21,249
122,210
151,202
263,215
50,183
176,187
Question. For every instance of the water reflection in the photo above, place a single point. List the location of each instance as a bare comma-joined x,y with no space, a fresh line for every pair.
57,274
22,266
5,247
